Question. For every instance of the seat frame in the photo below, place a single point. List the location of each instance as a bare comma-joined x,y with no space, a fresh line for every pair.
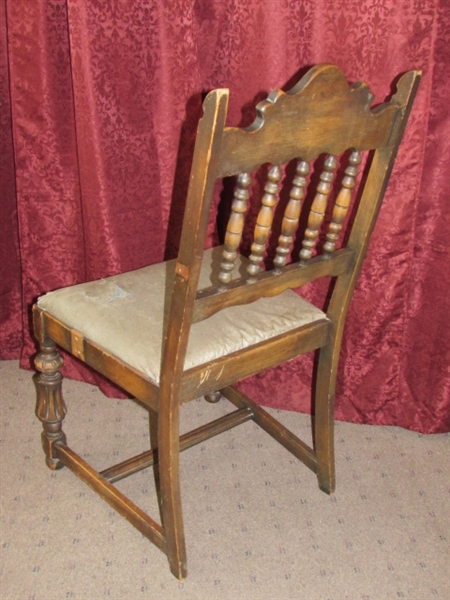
282,131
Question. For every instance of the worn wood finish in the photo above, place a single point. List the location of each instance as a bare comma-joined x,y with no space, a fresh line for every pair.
282,130
321,115
259,357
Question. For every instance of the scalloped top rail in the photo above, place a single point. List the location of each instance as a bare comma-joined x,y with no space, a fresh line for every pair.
325,112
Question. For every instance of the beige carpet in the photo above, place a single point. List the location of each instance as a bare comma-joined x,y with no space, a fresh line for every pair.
257,526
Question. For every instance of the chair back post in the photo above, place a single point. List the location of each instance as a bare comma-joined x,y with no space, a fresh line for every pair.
371,199
188,265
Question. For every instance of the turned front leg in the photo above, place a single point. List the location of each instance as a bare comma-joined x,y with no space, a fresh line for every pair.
50,406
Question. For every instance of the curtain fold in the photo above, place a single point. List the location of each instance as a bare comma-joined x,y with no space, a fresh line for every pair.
99,108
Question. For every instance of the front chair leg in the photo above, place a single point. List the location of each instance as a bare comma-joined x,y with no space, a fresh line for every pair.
50,406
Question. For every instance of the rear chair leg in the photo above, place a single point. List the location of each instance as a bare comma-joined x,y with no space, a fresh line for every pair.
50,406
213,397
324,421
169,479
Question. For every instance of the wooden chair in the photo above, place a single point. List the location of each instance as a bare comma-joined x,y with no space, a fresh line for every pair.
174,331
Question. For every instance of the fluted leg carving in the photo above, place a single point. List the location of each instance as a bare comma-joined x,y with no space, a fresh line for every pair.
50,406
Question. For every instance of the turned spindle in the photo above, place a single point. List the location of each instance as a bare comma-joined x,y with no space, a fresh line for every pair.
235,228
291,216
342,203
318,208
264,222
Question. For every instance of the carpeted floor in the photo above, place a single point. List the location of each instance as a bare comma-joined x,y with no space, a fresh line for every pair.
257,526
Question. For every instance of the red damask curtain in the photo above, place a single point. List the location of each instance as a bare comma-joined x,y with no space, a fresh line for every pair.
99,106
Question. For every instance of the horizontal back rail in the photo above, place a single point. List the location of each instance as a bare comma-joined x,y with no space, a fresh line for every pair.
271,283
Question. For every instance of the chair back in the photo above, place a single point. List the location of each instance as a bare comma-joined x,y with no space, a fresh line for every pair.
321,121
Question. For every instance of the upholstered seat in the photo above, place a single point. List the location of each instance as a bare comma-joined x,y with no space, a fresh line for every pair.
100,311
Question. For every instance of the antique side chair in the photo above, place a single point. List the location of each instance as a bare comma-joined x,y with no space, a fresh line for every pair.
172,332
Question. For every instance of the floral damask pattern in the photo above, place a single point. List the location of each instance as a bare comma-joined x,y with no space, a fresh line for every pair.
104,100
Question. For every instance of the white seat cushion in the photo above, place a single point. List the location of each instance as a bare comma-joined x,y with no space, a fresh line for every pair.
125,314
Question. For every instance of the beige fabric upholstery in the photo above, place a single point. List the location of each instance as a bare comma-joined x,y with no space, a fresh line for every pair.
126,314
